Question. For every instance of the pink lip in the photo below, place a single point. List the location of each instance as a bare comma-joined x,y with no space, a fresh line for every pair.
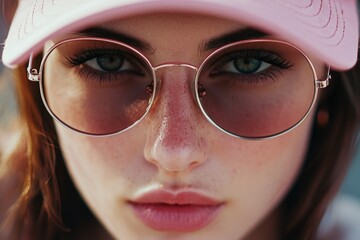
181,211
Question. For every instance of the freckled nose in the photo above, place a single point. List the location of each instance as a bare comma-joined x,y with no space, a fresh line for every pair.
175,141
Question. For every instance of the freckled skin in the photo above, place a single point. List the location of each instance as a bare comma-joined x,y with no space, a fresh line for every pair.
175,145
175,132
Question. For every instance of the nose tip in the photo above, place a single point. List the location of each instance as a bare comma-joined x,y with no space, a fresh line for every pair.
175,148
175,141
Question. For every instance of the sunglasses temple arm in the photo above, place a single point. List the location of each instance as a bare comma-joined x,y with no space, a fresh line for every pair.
324,81
32,73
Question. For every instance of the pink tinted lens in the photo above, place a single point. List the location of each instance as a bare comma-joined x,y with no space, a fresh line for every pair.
97,87
256,89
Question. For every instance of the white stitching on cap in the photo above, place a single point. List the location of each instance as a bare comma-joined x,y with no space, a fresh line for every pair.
334,26
334,22
22,29
309,6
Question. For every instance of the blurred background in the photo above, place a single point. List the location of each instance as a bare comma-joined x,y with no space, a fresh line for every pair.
351,186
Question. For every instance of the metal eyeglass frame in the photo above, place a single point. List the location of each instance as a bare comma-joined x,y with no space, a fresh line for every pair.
35,74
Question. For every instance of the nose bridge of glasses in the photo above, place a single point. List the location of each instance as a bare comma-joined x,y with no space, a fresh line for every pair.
175,65
177,73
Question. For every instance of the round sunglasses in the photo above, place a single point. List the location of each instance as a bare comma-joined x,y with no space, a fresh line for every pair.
252,89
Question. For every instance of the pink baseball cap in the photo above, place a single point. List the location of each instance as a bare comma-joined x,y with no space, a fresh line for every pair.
326,28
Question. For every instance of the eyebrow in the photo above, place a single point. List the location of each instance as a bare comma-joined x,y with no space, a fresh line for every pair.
117,36
235,36
212,44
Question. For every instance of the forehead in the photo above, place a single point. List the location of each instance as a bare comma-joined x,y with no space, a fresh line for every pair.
169,29
186,21
173,36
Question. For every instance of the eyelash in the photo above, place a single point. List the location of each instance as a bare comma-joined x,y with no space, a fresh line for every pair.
278,64
78,59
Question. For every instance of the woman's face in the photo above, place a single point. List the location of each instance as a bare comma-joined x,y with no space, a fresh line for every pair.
174,175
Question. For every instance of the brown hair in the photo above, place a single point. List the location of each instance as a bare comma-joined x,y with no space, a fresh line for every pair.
44,183
331,150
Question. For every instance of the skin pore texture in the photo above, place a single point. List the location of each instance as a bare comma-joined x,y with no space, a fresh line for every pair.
176,149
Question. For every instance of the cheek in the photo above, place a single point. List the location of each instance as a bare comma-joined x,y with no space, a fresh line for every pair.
259,174
103,168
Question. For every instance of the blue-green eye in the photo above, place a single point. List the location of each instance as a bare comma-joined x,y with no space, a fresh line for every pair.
110,63
248,62
106,61
247,65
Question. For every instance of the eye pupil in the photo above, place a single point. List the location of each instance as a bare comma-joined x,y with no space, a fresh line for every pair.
110,63
247,65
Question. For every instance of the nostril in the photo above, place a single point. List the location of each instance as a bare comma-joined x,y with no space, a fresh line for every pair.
177,169
175,145
178,158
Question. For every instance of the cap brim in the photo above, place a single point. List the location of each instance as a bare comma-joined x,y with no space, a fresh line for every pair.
327,29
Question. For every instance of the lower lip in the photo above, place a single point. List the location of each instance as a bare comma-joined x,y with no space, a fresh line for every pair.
179,218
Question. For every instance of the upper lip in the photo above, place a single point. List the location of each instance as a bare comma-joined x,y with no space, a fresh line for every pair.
185,197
